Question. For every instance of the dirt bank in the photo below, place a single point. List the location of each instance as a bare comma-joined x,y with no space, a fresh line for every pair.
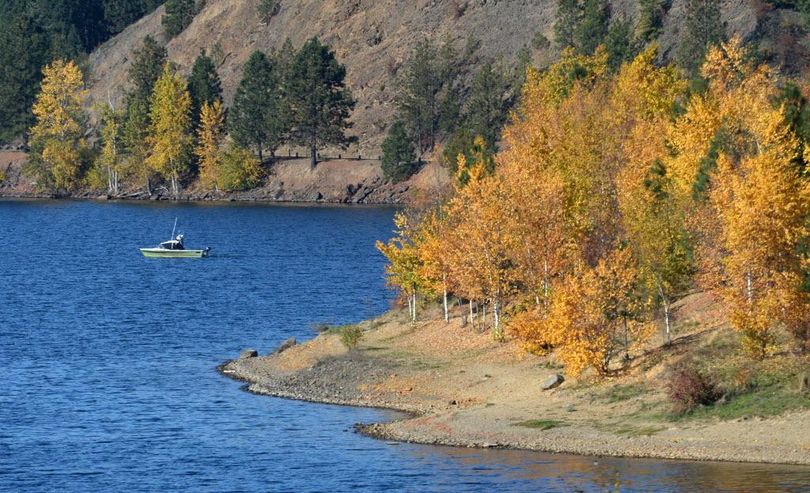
334,181
464,389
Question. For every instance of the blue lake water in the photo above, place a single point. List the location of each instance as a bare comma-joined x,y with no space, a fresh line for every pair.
107,363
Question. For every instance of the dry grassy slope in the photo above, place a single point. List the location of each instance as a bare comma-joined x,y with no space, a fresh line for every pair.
372,37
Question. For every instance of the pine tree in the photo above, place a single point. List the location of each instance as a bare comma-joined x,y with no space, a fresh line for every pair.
144,72
418,98
650,19
619,43
204,85
487,104
257,119
593,27
319,101
146,68
25,47
398,154
57,139
178,16
170,131
702,28
566,24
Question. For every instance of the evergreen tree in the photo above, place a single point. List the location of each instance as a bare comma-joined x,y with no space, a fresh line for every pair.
319,101
593,26
256,119
146,68
178,16
428,99
143,74
204,85
119,14
487,104
619,43
567,22
398,154
702,28
650,19
23,50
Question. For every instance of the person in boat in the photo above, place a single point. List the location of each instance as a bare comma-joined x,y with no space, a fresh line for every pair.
176,244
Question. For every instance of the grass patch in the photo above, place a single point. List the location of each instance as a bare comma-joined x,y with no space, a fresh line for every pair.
621,393
541,424
637,431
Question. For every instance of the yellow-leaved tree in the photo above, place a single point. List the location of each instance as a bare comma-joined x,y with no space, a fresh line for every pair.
57,139
405,267
758,202
110,158
210,136
170,133
597,314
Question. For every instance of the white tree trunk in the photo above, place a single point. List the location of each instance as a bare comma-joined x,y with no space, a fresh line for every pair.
667,321
446,309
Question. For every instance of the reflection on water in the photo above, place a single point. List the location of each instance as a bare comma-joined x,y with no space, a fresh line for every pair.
107,360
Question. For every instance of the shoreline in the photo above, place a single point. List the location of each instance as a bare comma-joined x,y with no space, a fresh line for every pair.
322,371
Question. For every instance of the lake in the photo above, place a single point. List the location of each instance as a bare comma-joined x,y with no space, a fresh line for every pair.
108,362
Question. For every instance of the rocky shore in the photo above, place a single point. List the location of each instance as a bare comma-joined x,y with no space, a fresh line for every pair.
460,388
337,181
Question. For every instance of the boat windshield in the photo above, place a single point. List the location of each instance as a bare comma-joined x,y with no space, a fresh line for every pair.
172,245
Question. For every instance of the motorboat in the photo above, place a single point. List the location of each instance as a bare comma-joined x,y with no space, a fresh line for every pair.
174,248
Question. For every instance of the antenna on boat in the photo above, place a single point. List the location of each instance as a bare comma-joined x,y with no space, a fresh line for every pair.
174,228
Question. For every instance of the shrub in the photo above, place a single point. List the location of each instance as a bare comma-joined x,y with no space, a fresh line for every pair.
688,388
268,9
351,335
241,170
398,154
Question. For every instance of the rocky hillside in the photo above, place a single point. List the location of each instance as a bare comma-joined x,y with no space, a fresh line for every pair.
373,38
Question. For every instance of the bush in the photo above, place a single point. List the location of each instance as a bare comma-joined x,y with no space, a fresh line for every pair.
241,170
398,154
178,16
688,388
268,9
351,335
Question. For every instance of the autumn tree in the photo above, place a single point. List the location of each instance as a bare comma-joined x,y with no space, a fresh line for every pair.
144,72
170,132
240,170
111,156
210,136
404,267
57,138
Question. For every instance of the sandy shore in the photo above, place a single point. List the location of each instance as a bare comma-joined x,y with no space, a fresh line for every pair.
463,389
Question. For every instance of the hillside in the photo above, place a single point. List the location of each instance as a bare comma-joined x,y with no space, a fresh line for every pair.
373,38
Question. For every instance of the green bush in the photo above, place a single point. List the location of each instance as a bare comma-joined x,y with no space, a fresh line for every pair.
398,154
268,9
351,335
240,170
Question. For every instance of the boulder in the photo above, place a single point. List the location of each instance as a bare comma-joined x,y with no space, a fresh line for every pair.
248,353
285,345
552,382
